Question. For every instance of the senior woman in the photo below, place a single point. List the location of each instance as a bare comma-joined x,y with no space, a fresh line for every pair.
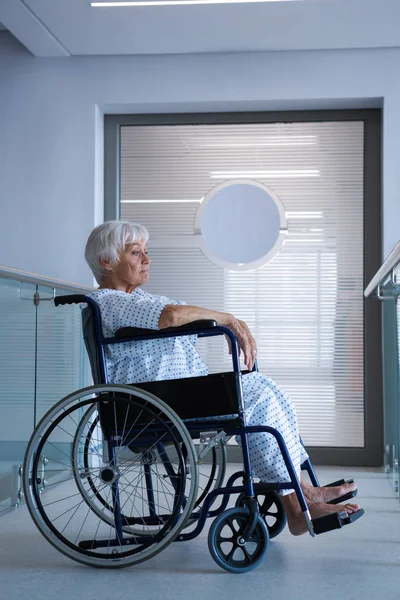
116,252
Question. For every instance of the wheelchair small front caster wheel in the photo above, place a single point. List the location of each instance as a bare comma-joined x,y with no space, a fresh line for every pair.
271,511
227,546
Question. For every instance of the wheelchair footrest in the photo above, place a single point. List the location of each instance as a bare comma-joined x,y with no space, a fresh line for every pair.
335,521
345,496
339,482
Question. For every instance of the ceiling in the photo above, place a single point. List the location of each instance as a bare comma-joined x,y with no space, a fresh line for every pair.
73,27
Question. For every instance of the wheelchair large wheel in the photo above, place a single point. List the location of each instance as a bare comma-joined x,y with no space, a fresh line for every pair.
90,454
271,510
228,548
136,507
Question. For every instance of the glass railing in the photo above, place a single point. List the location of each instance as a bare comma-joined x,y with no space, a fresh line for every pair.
42,359
386,286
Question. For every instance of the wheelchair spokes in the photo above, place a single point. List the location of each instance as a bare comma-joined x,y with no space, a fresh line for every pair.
153,470
155,466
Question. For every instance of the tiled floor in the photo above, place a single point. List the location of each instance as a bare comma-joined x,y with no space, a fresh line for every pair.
361,561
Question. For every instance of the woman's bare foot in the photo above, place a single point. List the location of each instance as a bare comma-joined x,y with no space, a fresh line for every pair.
325,494
296,519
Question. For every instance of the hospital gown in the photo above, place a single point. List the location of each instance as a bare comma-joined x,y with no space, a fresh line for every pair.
174,358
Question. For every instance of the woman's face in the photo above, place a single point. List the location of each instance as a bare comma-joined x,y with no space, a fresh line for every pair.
132,269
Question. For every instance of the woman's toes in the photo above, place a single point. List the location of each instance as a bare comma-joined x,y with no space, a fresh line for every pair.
352,508
340,490
348,487
319,509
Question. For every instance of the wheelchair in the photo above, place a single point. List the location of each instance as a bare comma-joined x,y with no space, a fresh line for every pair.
112,474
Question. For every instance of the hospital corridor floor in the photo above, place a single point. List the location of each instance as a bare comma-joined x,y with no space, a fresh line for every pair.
358,562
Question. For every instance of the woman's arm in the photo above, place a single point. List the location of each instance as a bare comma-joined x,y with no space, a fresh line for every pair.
175,315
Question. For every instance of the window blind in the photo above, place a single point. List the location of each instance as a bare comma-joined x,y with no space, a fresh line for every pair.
305,308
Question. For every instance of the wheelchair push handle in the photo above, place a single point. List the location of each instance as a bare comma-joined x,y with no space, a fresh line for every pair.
70,299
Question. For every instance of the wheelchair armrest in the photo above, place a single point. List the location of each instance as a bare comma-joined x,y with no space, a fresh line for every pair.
132,332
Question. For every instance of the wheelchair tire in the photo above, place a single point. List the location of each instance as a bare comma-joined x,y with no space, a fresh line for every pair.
271,511
70,520
225,545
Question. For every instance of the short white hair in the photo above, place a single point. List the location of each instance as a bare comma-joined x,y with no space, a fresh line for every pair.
106,242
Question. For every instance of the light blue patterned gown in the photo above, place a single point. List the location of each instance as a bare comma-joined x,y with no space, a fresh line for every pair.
174,358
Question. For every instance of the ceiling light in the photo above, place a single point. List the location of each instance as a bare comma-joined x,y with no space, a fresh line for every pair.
197,201
303,233
255,141
178,2
264,174
303,241
297,214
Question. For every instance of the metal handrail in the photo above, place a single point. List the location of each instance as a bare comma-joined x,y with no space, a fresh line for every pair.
37,279
387,269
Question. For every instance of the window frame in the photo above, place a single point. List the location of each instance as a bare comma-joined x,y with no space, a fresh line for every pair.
371,455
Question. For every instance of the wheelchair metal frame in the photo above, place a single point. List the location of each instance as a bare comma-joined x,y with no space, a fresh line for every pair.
244,430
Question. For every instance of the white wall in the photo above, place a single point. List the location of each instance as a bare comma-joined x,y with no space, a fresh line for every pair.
51,134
